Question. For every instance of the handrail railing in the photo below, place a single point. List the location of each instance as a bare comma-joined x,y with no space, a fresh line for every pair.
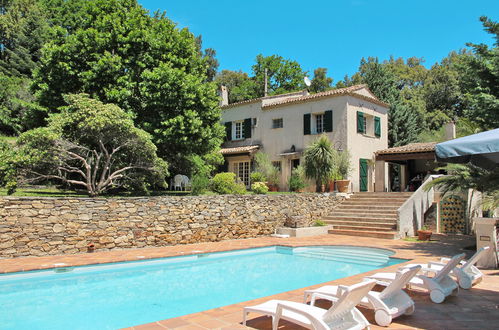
411,213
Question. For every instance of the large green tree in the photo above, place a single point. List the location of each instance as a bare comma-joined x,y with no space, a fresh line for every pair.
403,126
283,75
118,53
480,80
23,31
91,146
240,86
321,82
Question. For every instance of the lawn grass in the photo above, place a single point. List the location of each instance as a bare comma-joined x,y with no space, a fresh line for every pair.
42,192
55,192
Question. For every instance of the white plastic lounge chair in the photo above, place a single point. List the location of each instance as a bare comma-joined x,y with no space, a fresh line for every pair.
387,304
177,182
439,286
467,275
341,315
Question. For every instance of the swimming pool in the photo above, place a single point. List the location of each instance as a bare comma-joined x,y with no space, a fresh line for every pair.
125,294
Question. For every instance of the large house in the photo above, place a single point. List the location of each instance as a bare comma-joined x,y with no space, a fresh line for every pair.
284,125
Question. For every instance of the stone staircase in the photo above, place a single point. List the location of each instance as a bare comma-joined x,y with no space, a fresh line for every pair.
368,214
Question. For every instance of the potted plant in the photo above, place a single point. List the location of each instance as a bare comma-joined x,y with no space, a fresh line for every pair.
424,233
273,178
344,166
269,171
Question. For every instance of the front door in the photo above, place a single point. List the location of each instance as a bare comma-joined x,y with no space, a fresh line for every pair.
363,174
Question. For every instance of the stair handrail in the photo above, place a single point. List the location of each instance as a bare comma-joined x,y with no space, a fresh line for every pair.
411,212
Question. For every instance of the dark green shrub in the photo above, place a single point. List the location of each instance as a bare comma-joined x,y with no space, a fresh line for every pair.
200,184
296,180
225,183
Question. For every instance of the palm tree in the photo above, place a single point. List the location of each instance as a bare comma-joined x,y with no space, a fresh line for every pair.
319,161
463,178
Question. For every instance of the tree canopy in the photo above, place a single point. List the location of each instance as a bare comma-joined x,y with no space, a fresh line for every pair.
93,146
119,54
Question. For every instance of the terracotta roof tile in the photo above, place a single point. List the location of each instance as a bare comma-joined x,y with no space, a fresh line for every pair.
335,92
303,98
409,148
238,150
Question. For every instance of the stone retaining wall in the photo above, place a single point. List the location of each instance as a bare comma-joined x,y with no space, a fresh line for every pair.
49,226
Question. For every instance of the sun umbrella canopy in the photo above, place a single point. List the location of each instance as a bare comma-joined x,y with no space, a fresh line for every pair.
480,149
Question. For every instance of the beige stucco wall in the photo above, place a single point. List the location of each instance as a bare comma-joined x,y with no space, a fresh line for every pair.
364,145
344,135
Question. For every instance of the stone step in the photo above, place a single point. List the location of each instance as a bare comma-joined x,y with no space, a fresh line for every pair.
386,225
383,194
355,218
363,203
363,228
363,214
371,208
365,233
376,200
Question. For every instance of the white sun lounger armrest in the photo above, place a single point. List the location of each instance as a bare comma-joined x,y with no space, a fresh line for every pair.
283,306
435,263
446,260
320,295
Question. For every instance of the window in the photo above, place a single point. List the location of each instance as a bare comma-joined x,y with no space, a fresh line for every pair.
277,123
238,130
366,129
242,170
277,164
319,123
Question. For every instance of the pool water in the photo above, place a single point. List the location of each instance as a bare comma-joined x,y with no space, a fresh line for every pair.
125,294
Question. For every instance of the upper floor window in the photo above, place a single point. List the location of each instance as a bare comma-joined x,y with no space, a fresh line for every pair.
238,130
319,123
277,123
368,124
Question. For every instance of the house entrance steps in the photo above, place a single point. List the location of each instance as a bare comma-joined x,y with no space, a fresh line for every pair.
368,214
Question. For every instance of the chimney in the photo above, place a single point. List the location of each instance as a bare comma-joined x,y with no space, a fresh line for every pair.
224,95
450,131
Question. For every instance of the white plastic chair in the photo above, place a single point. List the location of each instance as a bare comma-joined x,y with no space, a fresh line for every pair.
467,274
186,184
177,181
342,313
440,286
387,304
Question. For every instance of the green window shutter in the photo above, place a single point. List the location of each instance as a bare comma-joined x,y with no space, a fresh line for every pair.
360,122
247,128
328,121
306,124
377,126
228,130
363,174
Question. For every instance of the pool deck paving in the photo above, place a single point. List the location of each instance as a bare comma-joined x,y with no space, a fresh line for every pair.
477,308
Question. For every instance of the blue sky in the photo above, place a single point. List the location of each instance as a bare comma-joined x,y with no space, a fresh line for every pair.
334,34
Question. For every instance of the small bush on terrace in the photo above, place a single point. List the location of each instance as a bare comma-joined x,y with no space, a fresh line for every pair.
225,183
258,177
259,188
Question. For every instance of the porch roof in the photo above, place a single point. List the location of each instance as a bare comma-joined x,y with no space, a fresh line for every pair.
410,151
239,150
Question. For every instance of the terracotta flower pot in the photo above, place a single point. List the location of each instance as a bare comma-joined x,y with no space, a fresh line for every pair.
331,186
424,235
342,185
273,187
